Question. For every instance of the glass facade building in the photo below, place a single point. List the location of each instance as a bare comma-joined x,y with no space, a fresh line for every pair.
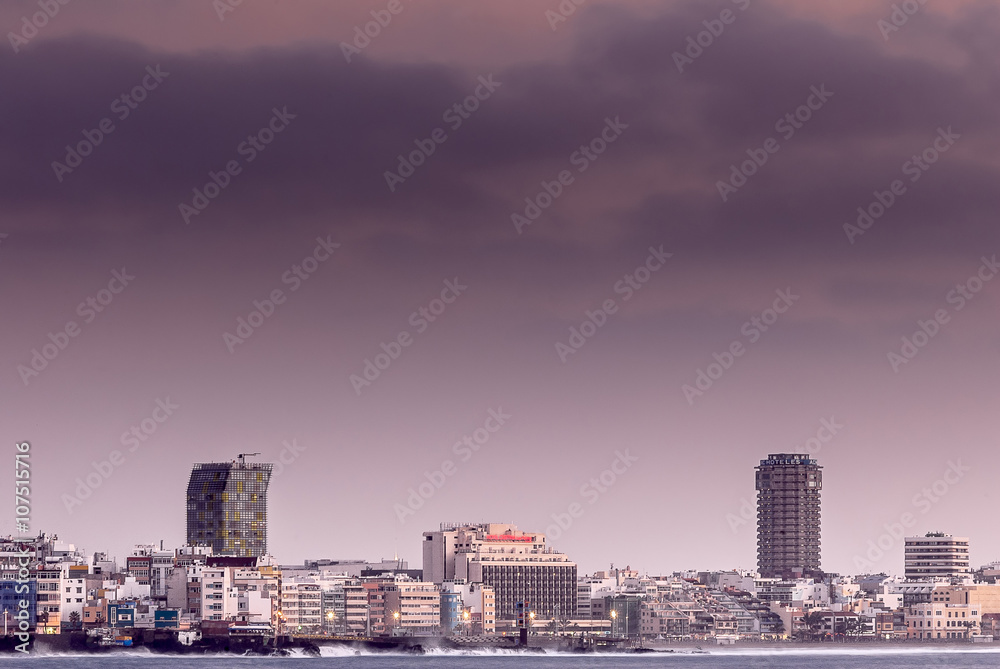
12,593
227,507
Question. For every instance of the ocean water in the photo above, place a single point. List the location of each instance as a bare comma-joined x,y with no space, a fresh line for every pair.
813,658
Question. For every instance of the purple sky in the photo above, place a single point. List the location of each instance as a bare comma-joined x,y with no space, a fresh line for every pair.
495,345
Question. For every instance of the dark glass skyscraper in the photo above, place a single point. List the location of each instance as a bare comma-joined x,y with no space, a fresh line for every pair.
227,507
788,515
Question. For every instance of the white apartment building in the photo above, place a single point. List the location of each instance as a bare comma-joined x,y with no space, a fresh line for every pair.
237,593
356,612
413,608
215,583
72,592
301,605
159,569
936,555
941,620
802,592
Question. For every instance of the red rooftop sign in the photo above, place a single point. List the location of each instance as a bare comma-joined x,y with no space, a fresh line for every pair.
507,537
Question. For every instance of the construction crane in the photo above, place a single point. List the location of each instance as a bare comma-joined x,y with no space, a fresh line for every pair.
243,455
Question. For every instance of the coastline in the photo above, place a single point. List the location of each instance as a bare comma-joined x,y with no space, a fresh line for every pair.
164,642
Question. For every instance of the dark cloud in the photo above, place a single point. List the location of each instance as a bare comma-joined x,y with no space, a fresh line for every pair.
352,120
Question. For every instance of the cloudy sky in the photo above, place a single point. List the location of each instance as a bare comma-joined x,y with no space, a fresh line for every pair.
125,270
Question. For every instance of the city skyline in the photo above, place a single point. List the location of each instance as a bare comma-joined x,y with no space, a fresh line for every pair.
478,584
574,271
948,557
788,498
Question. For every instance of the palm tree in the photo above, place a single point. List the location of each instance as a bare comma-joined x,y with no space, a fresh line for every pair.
854,626
814,621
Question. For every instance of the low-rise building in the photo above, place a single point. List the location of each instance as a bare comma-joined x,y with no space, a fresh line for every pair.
941,620
664,619
477,608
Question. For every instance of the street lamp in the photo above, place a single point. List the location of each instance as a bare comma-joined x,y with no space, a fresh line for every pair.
614,621
465,620
329,622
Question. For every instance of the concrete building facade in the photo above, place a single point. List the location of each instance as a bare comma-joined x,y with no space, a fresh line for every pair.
936,555
788,515
516,565
412,608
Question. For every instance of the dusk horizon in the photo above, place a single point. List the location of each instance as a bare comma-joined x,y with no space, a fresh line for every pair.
464,268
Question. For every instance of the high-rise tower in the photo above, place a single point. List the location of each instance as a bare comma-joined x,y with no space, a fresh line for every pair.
227,507
788,515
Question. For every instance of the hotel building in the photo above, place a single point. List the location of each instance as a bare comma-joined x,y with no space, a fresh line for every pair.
517,565
788,515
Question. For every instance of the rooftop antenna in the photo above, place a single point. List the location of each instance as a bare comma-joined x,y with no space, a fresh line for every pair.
243,455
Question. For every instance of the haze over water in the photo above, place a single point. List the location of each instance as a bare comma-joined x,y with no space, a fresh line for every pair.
785,658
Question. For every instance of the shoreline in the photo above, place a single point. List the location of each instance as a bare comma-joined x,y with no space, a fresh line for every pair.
159,643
